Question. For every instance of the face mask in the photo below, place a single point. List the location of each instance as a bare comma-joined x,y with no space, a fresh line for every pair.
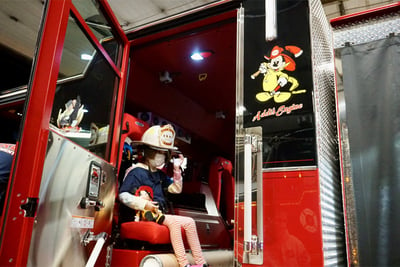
158,160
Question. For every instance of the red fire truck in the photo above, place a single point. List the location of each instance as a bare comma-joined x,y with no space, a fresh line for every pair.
249,88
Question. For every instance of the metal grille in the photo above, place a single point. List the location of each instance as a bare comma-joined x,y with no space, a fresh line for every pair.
333,230
367,30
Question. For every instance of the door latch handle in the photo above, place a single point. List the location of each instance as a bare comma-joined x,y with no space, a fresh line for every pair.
87,202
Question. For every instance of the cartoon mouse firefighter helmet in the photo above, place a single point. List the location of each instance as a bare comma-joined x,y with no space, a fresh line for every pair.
159,138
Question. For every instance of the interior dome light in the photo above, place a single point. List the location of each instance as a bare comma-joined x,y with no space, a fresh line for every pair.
86,57
201,55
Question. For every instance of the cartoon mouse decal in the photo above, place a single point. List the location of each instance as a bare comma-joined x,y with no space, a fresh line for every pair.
275,77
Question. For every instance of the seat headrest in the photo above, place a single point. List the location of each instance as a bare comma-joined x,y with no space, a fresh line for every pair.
133,127
224,164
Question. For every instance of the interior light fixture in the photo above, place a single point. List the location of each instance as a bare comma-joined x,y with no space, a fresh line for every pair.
241,110
200,55
86,57
270,20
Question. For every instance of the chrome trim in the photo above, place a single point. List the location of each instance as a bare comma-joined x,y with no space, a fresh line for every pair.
207,221
98,25
13,93
253,243
327,137
300,168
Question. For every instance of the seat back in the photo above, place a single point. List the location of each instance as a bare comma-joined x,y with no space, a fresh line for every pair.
133,128
222,186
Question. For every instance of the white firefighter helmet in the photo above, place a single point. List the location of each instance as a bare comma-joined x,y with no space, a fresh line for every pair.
159,137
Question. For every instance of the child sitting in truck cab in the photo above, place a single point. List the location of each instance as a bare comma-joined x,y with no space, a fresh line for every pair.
156,145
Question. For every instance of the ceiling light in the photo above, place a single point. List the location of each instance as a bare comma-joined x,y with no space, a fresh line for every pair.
86,57
270,20
240,110
200,55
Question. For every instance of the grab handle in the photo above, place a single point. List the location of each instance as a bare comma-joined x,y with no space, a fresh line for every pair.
253,243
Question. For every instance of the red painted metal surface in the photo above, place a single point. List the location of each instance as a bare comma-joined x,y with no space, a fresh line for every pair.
292,216
25,181
366,14
112,19
128,258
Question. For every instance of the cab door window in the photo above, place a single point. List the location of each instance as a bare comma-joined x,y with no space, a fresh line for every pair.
88,78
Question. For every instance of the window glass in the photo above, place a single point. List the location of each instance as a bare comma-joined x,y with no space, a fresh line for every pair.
83,104
78,52
100,27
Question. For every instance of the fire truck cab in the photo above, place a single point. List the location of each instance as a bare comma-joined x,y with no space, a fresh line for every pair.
254,111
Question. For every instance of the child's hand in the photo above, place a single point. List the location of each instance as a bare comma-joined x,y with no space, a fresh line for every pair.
152,206
178,161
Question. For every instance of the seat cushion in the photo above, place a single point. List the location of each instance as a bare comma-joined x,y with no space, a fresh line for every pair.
145,231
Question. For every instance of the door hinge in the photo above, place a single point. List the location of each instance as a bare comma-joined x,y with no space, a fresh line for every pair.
30,207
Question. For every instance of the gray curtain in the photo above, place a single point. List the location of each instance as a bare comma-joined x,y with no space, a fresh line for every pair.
371,81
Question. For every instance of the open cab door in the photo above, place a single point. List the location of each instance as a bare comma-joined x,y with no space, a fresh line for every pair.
288,196
61,192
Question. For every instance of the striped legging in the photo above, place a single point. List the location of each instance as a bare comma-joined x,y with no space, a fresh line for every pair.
175,223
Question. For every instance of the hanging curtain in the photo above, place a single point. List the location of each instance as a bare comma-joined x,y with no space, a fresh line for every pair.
371,81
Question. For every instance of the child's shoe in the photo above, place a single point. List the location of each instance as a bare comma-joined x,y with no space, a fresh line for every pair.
148,216
160,218
197,265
